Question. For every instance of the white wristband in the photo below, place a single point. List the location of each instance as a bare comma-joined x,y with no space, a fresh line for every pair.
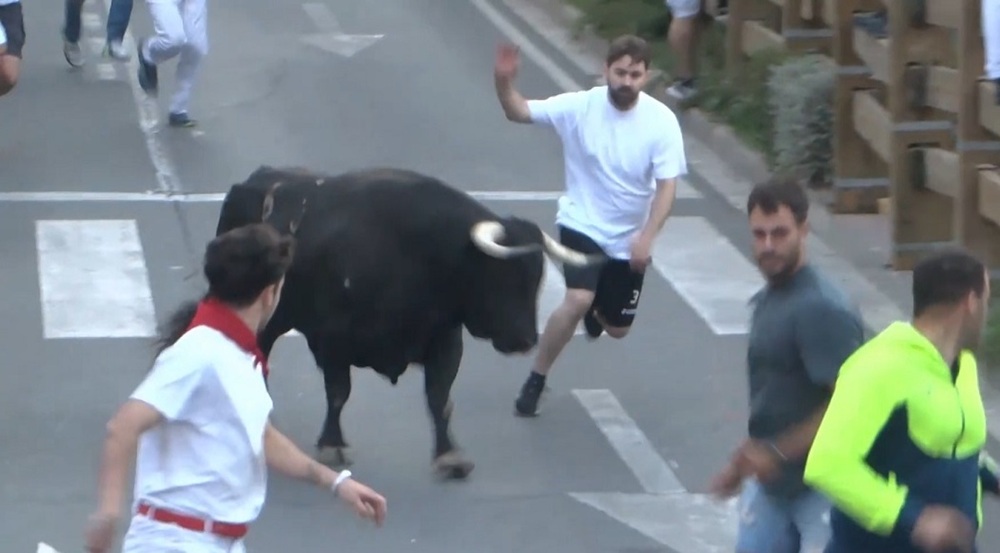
344,475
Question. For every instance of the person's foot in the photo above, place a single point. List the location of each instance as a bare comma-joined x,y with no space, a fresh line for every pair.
682,89
526,404
114,49
148,79
593,327
181,120
72,52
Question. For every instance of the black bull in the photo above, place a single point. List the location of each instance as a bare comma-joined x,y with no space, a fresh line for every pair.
389,266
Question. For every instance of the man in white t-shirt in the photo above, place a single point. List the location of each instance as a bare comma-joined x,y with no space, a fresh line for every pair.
12,39
199,424
623,153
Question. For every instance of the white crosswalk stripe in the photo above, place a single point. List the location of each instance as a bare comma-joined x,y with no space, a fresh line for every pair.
94,282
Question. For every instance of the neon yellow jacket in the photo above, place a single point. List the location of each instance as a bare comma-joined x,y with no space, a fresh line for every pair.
900,432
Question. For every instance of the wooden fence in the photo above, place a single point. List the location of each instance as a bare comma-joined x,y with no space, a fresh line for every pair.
917,129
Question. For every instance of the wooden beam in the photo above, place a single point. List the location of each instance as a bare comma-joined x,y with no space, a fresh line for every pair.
943,13
757,37
871,121
941,171
989,195
943,88
989,111
874,52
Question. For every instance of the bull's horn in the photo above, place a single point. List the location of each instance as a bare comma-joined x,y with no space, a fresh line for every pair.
566,255
487,234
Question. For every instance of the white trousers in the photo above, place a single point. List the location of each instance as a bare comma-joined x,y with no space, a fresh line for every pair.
150,536
991,37
181,30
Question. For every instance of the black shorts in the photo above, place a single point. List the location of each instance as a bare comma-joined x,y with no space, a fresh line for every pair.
12,20
615,285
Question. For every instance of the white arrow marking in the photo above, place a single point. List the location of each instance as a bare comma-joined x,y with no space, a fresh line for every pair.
667,512
331,38
45,548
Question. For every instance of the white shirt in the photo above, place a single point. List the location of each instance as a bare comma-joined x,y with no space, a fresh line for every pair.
207,458
612,160
991,37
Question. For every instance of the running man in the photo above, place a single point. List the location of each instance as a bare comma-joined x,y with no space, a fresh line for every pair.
182,32
623,154
200,420
802,329
900,451
119,15
12,37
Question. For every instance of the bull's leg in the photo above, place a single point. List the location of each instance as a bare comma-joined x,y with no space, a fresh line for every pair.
440,370
331,447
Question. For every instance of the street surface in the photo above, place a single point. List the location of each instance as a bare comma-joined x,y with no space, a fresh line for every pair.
93,257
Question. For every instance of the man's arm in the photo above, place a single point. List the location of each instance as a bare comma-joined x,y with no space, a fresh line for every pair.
120,442
663,203
862,402
826,334
515,106
285,457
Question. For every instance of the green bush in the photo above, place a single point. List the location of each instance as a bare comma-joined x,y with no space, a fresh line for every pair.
800,93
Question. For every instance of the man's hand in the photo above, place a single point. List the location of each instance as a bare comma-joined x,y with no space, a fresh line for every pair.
101,532
642,243
727,482
508,61
761,459
365,501
941,529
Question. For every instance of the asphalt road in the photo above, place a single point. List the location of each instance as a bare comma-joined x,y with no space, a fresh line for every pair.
86,278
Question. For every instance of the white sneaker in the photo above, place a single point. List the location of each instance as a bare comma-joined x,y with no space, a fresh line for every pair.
73,53
116,50
3,37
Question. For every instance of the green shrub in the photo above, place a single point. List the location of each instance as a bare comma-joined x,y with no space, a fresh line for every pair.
800,92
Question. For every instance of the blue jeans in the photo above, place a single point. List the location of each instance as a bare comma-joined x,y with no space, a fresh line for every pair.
118,19
774,525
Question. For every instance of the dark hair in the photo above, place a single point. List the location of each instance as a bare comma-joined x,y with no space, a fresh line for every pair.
238,264
770,195
946,278
632,46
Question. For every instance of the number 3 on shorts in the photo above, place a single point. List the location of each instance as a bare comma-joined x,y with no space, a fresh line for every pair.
635,297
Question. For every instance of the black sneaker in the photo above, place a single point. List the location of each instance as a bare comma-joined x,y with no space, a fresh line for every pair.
148,79
181,120
526,404
593,327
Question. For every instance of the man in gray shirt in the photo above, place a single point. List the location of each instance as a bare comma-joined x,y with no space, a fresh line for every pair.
802,330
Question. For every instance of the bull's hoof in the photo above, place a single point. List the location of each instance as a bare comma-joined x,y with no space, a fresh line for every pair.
334,457
452,466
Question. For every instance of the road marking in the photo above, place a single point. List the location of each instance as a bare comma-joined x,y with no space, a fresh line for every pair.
148,111
712,276
684,191
106,72
330,37
151,196
93,279
90,21
666,512
653,473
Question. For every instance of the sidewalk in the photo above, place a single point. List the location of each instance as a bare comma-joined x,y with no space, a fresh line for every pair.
853,249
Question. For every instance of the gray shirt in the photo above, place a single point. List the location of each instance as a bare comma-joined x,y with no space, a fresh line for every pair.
801,332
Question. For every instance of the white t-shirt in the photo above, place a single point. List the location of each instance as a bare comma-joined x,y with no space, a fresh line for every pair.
991,37
612,161
207,458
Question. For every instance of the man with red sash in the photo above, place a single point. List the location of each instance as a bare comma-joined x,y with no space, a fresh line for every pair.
198,426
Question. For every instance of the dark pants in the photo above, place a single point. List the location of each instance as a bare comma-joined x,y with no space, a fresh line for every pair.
118,18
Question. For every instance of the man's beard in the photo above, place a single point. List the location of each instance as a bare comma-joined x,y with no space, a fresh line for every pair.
787,269
622,96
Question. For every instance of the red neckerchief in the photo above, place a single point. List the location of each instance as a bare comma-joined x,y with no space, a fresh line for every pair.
215,314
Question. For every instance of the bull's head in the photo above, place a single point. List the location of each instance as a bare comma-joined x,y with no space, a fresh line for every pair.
502,300
273,196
